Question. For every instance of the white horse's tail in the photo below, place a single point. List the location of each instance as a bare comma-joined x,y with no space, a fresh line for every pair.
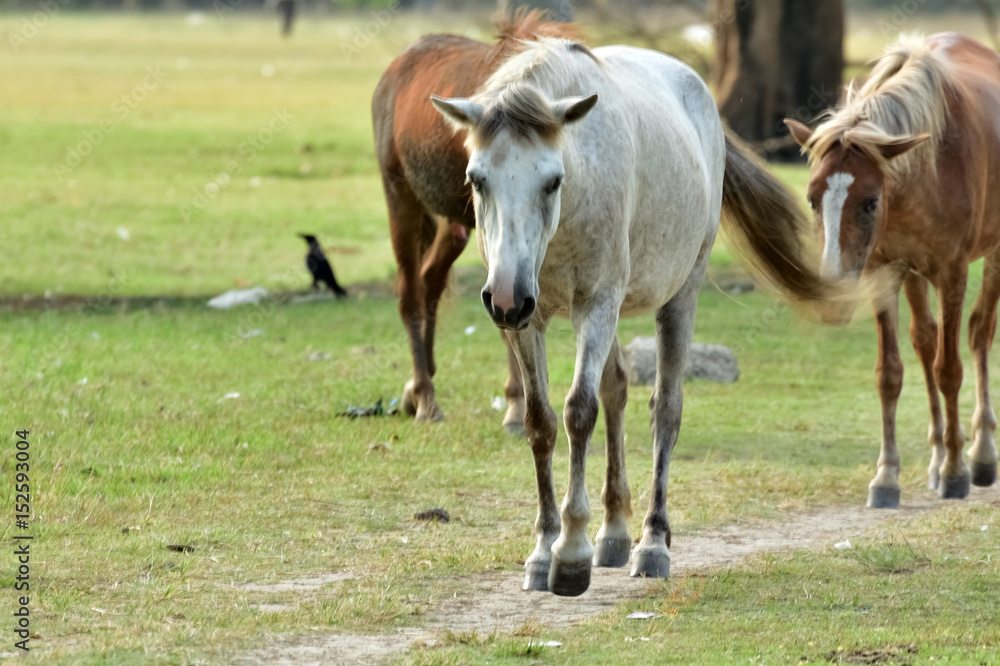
764,222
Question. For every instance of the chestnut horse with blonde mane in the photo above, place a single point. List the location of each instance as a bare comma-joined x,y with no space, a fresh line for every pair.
905,178
423,174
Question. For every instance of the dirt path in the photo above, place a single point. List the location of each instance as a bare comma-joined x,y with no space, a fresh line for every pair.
495,602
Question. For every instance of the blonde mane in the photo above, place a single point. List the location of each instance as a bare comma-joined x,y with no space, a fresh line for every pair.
904,96
517,97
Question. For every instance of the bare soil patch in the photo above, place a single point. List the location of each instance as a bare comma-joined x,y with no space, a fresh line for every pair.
494,602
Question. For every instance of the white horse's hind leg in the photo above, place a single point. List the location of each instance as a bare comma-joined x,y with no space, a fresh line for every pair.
540,426
572,552
613,542
674,327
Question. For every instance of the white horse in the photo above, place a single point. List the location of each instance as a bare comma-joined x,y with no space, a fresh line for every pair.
593,211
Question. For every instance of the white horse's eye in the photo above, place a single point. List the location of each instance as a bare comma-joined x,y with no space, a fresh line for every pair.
475,180
553,185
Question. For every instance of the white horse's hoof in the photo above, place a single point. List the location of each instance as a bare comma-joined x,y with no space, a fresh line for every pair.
612,552
651,562
984,474
883,498
569,579
536,577
954,487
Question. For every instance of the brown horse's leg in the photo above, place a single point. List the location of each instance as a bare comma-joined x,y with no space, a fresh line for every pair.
450,240
406,225
982,325
513,420
883,491
613,541
923,335
674,327
955,476
540,427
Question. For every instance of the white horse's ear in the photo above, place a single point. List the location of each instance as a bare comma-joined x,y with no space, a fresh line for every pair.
462,113
896,148
800,132
571,109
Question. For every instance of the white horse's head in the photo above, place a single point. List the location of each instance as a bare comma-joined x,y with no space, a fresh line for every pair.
516,172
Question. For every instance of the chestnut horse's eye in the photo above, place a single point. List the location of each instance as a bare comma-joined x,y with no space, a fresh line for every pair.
869,205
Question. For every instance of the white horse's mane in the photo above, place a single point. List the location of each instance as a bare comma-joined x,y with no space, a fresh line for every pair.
518,96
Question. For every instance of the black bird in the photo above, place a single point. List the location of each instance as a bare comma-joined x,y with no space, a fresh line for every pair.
320,268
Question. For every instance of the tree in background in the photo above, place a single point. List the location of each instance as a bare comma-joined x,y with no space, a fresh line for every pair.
776,59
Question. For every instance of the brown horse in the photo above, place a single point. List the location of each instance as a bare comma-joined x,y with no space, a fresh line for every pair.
423,173
905,178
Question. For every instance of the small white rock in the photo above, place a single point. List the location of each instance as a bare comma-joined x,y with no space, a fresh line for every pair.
469,330
123,233
642,615
843,545
498,403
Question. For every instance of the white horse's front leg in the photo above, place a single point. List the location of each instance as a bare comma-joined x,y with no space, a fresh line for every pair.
572,553
540,427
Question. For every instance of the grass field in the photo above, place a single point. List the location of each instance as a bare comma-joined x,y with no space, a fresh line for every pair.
138,441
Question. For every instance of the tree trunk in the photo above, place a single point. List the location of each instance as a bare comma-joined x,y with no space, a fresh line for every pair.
776,59
559,10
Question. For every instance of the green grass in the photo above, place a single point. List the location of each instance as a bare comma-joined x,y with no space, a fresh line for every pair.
135,445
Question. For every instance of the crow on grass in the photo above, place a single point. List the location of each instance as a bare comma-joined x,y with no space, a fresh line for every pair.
320,268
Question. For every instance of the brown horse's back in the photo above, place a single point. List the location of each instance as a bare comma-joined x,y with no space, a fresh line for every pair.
412,141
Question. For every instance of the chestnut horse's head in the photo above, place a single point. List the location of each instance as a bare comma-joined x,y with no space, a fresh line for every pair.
848,194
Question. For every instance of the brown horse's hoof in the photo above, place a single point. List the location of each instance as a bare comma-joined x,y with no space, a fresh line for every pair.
984,474
409,407
954,487
883,498
515,429
569,579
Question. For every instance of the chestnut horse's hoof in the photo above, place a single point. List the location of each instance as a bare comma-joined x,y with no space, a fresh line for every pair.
933,479
883,498
515,428
569,579
954,487
409,407
651,562
612,552
984,474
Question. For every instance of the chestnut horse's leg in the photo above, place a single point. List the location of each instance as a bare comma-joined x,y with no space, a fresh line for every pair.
982,325
883,491
923,335
613,542
955,477
449,241
513,420
674,327
407,219
540,426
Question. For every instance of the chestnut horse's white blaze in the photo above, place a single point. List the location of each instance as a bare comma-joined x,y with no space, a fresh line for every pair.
920,143
833,209
598,180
